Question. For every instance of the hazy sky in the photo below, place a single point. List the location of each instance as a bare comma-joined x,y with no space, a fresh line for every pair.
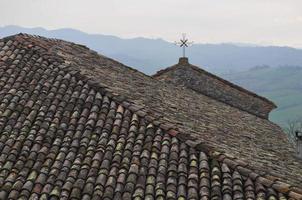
266,22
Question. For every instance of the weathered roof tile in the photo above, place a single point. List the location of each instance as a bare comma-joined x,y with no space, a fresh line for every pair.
62,138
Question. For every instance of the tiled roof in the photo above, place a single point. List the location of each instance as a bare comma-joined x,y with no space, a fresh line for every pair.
199,70
65,134
201,81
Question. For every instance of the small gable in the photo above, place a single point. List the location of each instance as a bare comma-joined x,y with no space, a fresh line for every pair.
201,81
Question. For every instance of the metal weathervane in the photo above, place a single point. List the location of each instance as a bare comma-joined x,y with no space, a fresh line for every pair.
184,43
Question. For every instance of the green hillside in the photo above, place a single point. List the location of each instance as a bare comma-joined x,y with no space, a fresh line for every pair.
282,85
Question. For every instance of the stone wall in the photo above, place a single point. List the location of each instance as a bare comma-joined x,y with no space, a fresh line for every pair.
185,74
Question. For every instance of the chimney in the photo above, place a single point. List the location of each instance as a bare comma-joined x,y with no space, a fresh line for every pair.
183,61
299,143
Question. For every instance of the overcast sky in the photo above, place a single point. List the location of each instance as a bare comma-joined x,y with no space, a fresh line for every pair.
266,22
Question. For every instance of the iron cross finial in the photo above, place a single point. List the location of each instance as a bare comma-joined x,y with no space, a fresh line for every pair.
184,42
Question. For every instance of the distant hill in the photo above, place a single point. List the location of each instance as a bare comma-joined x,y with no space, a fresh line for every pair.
150,55
234,62
283,85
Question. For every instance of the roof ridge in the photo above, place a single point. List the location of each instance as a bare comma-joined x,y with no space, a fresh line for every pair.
200,70
187,139
265,179
234,163
30,37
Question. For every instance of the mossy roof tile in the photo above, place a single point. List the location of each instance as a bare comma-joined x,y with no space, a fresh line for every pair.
71,139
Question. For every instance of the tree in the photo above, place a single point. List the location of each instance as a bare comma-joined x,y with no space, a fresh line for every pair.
291,128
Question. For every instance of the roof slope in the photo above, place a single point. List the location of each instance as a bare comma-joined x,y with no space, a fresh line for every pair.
185,61
201,81
65,135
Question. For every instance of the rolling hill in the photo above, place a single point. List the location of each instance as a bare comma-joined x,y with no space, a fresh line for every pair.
150,55
283,85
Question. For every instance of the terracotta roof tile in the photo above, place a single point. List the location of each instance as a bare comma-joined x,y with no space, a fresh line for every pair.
64,138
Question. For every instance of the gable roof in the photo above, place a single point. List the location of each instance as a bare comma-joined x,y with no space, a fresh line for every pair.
184,61
77,124
201,81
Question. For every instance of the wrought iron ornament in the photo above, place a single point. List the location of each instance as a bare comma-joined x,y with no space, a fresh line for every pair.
184,43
